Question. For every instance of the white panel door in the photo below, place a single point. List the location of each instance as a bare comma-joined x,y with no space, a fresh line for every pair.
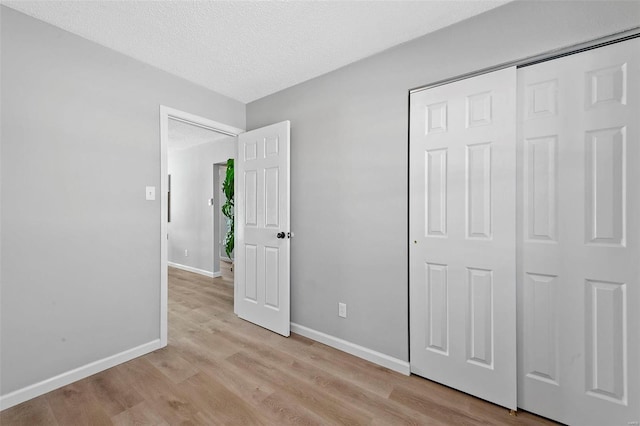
579,239
262,227
462,235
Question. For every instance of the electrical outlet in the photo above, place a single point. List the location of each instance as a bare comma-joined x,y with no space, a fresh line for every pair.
186,252
342,310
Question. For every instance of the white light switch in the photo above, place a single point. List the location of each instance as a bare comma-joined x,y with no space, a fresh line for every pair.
151,193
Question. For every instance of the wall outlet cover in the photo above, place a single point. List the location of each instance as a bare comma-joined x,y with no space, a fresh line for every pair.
342,310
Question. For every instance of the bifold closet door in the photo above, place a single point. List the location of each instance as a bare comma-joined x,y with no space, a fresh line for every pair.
462,235
579,200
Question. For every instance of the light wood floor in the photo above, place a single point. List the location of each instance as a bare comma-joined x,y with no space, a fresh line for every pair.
219,369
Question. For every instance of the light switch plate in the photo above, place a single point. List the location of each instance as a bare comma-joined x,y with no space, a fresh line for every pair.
151,193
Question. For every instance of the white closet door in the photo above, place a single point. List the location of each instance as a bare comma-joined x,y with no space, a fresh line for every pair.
579,197
462,231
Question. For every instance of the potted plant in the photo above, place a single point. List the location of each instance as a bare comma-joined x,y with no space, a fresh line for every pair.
227,209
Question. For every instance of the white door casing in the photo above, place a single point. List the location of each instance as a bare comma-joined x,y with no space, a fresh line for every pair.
462,235
579,238
262,209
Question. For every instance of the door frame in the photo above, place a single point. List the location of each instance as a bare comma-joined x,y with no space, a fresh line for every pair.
167,113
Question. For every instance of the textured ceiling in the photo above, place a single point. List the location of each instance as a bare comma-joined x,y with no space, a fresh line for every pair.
249,49
183,135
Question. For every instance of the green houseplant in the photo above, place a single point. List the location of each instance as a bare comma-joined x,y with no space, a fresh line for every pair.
227,207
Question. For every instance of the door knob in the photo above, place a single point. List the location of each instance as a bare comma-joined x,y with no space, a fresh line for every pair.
280,235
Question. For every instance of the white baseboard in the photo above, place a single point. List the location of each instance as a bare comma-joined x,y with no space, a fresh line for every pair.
37,389
195,270
379,358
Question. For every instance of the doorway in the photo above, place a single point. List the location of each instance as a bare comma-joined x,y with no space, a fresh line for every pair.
195,155
262,231
194,145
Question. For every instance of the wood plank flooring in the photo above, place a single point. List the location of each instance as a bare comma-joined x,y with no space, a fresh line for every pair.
218,369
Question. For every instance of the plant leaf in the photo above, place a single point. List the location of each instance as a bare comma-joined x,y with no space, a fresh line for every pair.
227,207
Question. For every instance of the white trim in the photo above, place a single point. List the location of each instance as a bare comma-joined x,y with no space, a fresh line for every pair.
379,358
195,270
200,121
47,385
165,114
164,226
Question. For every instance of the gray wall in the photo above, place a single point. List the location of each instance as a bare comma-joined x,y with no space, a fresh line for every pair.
349,155
192,219
80,245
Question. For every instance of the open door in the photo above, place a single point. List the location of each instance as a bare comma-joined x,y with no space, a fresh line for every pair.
262,237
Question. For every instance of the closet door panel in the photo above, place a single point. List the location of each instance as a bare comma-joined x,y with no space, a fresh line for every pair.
578,273
462,228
